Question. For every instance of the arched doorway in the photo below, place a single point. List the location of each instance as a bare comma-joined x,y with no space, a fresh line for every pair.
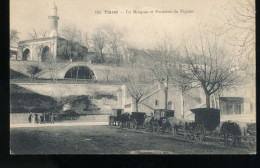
26,54
170,105
80,72
45,53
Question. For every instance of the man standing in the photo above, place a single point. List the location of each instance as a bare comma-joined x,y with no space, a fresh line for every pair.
30,117
52,118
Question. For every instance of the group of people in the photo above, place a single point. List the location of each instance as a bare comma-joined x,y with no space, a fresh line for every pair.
44,118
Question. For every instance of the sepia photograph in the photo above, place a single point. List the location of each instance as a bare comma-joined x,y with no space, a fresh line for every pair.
136,77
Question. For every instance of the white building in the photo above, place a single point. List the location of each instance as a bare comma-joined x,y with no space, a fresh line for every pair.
237,104
156,100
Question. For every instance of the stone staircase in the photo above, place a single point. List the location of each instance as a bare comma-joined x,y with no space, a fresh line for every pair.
188,114
154,89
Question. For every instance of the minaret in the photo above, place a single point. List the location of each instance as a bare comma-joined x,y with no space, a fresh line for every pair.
53,19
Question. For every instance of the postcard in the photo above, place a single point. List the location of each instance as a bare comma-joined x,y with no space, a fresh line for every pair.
168,77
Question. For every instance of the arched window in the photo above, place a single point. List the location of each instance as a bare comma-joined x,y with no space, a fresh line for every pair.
45,53
170,106
156,102
26,54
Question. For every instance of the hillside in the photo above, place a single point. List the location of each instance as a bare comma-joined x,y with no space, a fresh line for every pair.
24,100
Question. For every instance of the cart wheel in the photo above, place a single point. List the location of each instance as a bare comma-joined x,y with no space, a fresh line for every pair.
251,142
155,127
134,123
147,127
130,124
144,125
188,135
230,139
127,124
111,121
199,132
173,131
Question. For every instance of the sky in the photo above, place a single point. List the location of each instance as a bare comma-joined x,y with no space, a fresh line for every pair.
141,30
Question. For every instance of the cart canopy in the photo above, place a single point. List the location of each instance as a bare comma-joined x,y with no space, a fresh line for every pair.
209,117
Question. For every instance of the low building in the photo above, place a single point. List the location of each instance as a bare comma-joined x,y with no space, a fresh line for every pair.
239,104
155,99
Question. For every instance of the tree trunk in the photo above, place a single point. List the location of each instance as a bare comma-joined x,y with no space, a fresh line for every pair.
136,105
166,93
56,81
182,106
207,100
77,75
102,59
107,75
166,97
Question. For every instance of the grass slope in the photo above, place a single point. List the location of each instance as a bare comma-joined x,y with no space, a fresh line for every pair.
23,100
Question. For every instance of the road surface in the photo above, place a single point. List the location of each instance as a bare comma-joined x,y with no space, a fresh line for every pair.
103,139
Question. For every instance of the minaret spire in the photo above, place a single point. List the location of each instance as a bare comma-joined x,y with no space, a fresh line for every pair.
53,19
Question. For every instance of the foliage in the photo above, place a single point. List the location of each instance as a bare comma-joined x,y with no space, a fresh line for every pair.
74,101
33,70
72,47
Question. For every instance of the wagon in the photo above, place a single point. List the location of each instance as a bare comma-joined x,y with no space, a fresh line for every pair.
206,121
158,121
115,117
137,119
234,134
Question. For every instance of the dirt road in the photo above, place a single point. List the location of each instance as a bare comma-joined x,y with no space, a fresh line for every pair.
107,140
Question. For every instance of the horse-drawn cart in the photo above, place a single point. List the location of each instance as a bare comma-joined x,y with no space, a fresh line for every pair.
159,120
136,119
114,119
206,121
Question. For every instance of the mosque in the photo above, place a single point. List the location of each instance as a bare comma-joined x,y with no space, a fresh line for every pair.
38,49
38,52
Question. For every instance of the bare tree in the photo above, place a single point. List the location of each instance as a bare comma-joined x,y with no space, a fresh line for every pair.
212,67
160,62
240,26
114,40
182,81
14,36
86,41
73,47
51,66
131,55
135,87
37,34
99,44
